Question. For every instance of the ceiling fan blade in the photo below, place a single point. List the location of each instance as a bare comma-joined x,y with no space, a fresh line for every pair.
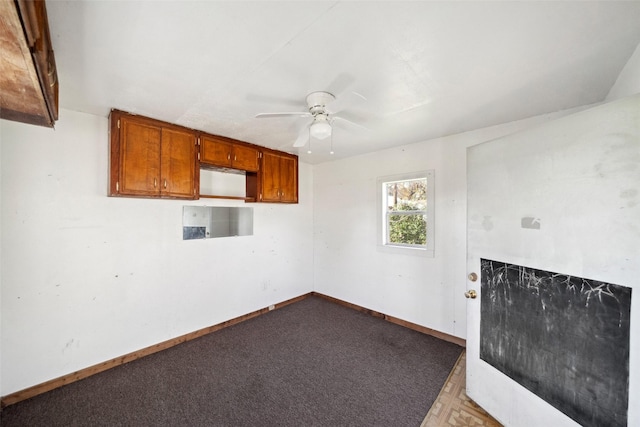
349,99
340,84
296,114
349,123
303,137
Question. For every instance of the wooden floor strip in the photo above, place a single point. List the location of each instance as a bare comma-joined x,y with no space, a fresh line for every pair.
419,328
453,407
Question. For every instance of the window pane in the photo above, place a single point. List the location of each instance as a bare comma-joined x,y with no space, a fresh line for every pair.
404,214
407,195
408,229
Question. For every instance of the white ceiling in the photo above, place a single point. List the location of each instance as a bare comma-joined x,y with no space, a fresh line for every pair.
427,69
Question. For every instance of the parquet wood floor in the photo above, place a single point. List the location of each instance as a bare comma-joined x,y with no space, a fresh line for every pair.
453,407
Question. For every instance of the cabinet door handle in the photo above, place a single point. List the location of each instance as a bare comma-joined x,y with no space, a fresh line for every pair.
165,183
51,70
55,80
235,158
229,156
155,182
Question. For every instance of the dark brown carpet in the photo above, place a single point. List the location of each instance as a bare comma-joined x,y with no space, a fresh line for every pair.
312,363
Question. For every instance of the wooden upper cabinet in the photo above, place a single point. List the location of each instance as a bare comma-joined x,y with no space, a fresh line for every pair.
289,179
139,158
28,75
245,158
152,159
224,153
215,152
278,178
270,178
178,164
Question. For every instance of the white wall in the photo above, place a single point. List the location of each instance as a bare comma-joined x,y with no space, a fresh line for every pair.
347,264
581,176
628,82
86,277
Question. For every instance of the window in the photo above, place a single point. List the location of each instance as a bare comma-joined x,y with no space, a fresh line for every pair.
406,213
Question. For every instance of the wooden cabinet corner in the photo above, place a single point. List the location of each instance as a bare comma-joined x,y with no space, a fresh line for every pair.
28,74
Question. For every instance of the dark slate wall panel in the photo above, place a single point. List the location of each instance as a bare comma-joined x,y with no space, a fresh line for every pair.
564,338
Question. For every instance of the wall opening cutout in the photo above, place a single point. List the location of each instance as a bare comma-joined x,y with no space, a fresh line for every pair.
204,222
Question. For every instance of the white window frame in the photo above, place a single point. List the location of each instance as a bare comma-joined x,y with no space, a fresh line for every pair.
429,249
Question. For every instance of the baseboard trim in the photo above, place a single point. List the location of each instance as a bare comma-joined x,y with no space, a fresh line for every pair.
33,391
414,326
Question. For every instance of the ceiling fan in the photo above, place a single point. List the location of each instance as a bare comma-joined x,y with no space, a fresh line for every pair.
323,117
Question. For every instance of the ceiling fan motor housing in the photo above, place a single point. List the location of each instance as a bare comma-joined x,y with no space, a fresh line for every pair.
317,102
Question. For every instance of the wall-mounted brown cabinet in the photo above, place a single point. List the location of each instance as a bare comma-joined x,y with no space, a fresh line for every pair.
225,153
28,75
278,178
149,158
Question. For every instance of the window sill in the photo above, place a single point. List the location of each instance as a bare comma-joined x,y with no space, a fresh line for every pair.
401,250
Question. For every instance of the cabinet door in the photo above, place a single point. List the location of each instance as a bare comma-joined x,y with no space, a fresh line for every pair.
279,178
288,180
139,158
178,167
215,152
270,175
245,158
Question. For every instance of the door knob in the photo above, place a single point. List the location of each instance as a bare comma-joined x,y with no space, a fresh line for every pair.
471,293
473,277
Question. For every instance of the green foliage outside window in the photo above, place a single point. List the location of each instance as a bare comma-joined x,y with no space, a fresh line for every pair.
410,198
408,229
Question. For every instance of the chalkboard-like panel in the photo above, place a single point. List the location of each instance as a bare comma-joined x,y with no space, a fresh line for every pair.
564,338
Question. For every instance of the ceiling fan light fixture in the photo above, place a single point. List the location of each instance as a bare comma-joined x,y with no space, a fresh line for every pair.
320,129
